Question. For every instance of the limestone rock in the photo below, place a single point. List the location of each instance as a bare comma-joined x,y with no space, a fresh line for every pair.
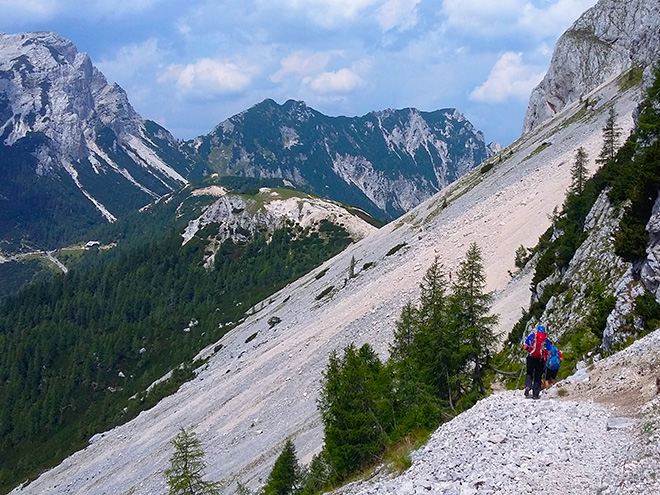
604,42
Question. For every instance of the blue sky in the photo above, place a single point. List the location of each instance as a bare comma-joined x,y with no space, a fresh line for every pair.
190,64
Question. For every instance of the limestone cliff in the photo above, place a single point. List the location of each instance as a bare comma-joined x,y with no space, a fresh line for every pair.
607,40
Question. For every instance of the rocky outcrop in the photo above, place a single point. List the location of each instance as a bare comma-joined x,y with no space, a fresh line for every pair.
239,219
593,274
604,42
636,281
650,271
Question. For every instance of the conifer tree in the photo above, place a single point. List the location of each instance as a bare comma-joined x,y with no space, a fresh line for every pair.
187,466
355,408
439,342
649,116
415,398
470,308
611,135
579,171
317,475
285,477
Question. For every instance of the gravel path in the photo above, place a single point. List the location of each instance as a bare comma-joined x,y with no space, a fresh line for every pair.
507,444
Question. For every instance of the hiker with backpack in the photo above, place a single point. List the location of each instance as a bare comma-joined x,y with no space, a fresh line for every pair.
552,364
537,346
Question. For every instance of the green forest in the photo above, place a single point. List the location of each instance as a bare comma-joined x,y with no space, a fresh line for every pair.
77,348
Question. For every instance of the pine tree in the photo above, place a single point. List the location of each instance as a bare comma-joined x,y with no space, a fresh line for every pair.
649,115
285,477
469,309
317,475
184,476
579,171
611,135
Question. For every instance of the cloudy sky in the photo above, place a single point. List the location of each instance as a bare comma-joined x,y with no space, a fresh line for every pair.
189,64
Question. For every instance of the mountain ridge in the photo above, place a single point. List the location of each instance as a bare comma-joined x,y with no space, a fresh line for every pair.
385,162
78,143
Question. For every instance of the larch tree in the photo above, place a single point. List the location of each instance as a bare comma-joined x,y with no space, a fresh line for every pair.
187,467
286,476
439,345
579,171
611,135
355,406
415,400
469,309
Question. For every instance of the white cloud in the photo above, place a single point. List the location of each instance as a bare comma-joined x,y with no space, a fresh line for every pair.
131,60
76,9
401,14
310,70
35,9
556,18
483,17
509,78
340,81
302,64
330,13
208,76
486,18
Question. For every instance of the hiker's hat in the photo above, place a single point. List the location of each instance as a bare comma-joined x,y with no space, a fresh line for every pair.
541,328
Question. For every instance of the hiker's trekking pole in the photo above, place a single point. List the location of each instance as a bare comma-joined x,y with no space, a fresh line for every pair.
520,376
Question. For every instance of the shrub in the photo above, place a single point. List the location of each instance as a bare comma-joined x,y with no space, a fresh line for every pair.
396,248
325,292
273,320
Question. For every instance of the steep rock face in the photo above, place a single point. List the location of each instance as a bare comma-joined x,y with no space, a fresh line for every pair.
650,271
604,42
69,133
385,162
634,283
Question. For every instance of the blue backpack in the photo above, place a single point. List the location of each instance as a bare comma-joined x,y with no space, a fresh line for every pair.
554,361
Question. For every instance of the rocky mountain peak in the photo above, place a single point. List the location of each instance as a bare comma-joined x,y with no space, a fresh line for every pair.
50,87
385,162
60,119
607,40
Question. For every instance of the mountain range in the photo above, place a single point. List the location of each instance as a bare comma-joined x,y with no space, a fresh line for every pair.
75,154
260,382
